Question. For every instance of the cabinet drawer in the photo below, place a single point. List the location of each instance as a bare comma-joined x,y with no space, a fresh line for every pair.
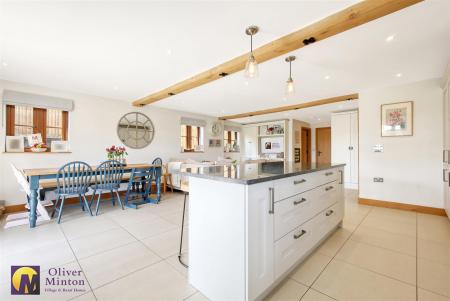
290,248
294,211
288,187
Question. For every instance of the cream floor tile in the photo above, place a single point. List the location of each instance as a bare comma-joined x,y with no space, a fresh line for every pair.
308,271
435,228
380,238
88,225
132,216
175,263
289,290
86,246
46,256
156,282
429,296
390,263
394,214
313,295
176,218
148,228
197,297
378,221
434,277
168,243
22,238
434,251
344,281
113,264
89,296
334,242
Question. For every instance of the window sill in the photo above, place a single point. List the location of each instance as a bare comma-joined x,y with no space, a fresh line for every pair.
231,152
37,153
192,152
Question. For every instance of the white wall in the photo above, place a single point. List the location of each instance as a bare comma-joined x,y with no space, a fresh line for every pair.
411,166
92,127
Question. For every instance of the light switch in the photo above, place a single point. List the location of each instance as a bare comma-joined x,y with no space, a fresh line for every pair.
378,148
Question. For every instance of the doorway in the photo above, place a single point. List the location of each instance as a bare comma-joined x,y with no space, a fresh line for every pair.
323,145
306,146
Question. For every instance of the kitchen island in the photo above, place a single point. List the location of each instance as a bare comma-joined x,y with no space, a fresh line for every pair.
250,225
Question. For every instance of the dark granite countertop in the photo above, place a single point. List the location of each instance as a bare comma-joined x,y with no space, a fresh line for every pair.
252,173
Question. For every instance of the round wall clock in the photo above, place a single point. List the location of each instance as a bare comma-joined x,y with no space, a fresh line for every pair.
216,128
135,130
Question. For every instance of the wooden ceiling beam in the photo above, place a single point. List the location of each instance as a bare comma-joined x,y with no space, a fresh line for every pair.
355,15
302,105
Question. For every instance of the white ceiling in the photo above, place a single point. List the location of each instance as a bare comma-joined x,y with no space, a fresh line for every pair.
126,50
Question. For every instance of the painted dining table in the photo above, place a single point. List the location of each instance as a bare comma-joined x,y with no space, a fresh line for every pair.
34,176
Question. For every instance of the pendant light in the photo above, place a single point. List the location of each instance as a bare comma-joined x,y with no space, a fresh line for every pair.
290,89
251,67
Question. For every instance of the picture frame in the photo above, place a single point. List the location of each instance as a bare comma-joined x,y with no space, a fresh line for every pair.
397,119
59,146
15,144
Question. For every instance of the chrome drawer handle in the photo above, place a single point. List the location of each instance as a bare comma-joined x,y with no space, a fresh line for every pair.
302,200
329,188
299,181
271,200
329,212
329,173
297,236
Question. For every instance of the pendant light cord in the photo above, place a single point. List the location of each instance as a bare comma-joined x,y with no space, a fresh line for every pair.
251,44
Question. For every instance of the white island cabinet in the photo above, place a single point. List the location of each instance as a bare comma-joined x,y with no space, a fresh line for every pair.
247,232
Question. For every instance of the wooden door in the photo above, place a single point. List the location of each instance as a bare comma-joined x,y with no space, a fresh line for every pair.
306,146
323,145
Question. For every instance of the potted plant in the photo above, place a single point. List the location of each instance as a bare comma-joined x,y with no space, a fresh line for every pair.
39,147
117,153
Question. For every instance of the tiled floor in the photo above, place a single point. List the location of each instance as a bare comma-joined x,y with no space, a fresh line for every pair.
378,254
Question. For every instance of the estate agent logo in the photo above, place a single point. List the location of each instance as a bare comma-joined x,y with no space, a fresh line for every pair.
25,280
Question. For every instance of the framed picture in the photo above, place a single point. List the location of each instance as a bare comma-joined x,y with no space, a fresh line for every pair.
14,144
32,139
59,146
397,119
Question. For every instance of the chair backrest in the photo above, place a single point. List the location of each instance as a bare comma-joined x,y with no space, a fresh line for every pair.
21,179
74,178
157,161
109,174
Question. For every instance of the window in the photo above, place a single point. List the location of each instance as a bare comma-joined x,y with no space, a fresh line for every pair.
231,141
191,138
24,120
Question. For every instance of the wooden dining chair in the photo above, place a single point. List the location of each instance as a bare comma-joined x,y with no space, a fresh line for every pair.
108,177
73,179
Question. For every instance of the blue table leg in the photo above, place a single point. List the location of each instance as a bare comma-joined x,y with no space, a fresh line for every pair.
34,186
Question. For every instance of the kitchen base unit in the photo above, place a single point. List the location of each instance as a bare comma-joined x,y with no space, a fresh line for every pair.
248,231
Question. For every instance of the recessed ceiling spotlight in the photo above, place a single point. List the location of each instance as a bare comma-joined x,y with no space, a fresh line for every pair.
246,83
399,75
390,38
169,51
318,119
4,64
115,88
327,77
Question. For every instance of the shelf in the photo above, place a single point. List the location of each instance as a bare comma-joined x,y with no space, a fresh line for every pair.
274,135
42,153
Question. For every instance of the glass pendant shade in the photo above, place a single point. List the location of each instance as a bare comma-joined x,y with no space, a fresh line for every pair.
251,67
290,89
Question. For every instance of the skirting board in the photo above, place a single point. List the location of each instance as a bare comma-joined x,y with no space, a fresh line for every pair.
401,206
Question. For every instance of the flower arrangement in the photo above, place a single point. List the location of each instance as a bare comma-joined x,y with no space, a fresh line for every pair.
117,153
39,147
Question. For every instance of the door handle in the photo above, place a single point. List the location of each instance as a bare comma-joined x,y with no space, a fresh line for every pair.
350,147
318,153
330,173
341,178
329,212
271,201
299,181
329,188
302,200
297,236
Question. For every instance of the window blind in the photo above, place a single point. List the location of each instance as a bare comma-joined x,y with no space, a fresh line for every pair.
231,128
36,100
192,121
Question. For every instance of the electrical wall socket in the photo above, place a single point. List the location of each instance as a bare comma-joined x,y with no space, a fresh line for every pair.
378,180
